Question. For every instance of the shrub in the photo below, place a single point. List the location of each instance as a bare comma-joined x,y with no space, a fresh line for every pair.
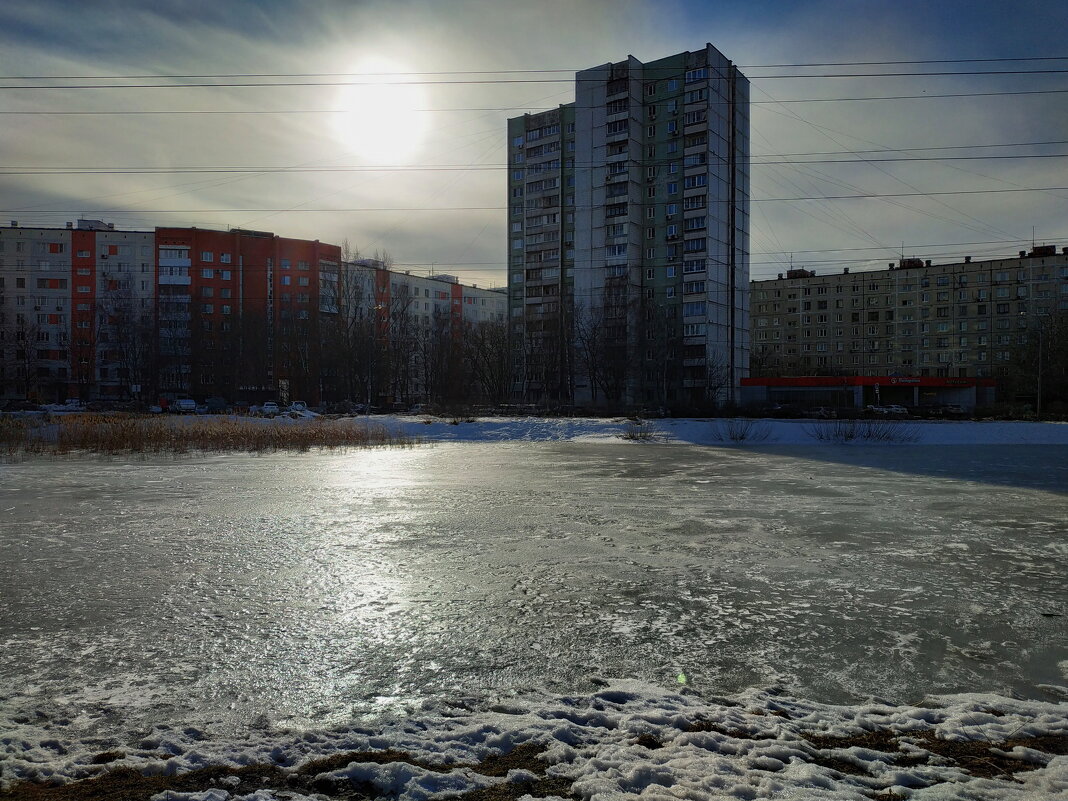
738,430
867,430
638,430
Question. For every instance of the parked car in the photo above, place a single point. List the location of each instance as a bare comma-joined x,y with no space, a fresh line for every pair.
184,406
270,408
216,405
889,410
954,410
822,413
298,406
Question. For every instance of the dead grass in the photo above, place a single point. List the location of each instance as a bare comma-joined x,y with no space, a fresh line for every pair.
974,757
123,434
125,784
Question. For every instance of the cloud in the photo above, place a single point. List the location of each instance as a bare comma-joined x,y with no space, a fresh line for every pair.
467,125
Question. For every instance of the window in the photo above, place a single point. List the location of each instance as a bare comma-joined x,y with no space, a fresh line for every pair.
207,255
694,309
224,258
304,280
286,280
694,181
207,308
696,75
207,272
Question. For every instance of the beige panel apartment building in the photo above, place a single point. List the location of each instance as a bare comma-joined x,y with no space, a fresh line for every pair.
915,318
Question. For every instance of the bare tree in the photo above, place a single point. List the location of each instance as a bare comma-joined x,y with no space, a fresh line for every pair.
486,354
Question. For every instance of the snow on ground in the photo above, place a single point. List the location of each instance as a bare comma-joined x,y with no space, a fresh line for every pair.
628,740
724,431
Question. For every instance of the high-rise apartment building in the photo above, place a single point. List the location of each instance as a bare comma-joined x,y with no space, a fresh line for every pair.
629,237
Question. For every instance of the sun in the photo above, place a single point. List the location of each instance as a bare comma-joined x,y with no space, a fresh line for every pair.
382,119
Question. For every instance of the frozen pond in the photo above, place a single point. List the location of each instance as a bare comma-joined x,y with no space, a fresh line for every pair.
305,588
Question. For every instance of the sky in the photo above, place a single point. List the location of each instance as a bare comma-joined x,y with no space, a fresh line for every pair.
394,138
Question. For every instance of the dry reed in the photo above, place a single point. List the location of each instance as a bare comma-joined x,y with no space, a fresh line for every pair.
118,434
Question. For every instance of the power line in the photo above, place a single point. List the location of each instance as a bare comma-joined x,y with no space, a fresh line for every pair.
863,196
454,167
497,81
666,70
135,112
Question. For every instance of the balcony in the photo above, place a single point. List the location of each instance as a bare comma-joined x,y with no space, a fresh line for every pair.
175,263
175,280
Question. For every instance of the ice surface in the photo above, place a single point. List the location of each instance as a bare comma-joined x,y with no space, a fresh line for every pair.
237,596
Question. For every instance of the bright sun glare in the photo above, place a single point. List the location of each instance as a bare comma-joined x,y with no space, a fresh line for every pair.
381,120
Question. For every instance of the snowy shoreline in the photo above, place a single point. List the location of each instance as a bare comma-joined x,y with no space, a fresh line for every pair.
719,431
628,739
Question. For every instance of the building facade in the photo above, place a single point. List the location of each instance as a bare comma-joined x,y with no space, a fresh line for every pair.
629,237
962,320
77,310
94,313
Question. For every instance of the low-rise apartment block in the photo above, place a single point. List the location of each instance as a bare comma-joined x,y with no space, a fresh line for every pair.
94,313
963,320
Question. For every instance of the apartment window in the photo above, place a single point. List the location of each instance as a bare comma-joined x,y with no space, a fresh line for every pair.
304,280
693,309
696,75
207,255
286,280
207,308
207,272
206,292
